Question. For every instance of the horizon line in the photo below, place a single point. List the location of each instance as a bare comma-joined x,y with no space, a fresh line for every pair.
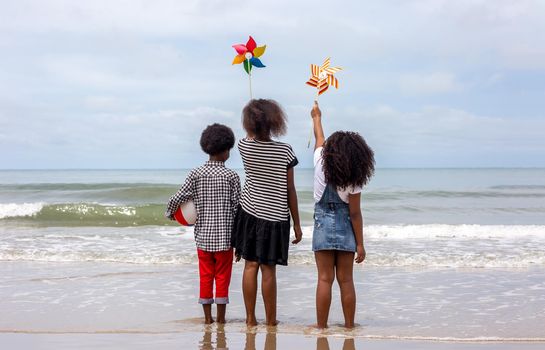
305,168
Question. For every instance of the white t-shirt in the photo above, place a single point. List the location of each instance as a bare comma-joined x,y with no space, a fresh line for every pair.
319,180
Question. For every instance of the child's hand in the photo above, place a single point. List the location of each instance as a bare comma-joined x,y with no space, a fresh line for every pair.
298,234
360,254
316,112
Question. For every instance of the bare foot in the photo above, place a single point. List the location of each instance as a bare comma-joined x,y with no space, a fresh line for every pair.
221,320
351,325
318,326
251,322
272,323
207,308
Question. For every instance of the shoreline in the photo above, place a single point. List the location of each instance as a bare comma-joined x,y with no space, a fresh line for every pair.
310,334
443,305
248,341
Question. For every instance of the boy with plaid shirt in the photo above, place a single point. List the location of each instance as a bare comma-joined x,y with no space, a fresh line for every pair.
215,191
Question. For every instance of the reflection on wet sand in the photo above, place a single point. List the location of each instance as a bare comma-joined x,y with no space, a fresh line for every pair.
270,341
323,344
215,339
208,343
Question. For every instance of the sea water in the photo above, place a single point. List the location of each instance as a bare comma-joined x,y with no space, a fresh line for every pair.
451,253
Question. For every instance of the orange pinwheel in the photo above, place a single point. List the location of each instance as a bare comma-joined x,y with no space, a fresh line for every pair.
322,76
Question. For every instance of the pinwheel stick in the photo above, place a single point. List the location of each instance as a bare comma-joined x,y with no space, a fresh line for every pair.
250,77
311,123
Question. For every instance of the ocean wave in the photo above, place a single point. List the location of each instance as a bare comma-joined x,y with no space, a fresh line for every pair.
84,214
153,193
143,214
409,246
436,194
107,257
441,231
374,259
75,186
147,193
518,187
14,210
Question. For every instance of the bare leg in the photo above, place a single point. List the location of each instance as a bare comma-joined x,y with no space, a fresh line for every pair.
207,340
207,308
221,340
220,313
250,341
345,267
270,341
249,290
349,344
268,290
322,343
325,262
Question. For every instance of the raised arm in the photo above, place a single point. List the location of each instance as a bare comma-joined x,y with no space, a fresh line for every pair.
357,224
294,207
316,114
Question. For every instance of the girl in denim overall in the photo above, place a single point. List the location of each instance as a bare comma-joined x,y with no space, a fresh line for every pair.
343,164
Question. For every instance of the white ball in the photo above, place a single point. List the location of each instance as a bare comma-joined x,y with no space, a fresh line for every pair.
186,214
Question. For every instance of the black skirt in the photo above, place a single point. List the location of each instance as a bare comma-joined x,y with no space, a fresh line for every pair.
266,242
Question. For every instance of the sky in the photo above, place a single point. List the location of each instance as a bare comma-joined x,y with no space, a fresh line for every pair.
132,84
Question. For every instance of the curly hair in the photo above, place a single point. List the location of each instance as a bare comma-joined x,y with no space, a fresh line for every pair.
347,160
217,138
264,119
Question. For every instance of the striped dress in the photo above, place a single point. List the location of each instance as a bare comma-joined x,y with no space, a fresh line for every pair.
262,225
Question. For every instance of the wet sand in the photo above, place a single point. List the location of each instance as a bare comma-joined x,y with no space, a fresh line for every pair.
442,304
214,339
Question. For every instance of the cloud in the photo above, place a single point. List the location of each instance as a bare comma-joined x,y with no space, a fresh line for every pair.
428,136
133,83
441,136
433,83
101,102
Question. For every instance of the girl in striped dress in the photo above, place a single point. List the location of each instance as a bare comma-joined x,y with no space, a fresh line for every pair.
262,225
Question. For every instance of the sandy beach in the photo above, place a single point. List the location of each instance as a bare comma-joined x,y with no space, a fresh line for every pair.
427,117
87,262
208,340
112,306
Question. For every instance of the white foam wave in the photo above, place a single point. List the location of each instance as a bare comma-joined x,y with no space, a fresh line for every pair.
440,231
419,246
431,260
86,209
125,258
374,259
8,210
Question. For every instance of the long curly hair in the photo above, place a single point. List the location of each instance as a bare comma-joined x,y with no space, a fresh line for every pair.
347,160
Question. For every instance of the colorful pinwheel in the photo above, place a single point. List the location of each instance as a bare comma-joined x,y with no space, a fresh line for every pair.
249,54
322,76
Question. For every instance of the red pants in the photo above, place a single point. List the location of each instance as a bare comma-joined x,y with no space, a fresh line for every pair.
215,266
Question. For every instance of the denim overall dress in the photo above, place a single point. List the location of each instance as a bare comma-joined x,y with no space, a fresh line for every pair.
332,225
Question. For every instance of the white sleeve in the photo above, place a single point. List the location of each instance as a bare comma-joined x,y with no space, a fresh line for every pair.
318,156
354,190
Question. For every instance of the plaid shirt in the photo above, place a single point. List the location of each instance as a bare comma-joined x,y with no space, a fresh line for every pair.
215,190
